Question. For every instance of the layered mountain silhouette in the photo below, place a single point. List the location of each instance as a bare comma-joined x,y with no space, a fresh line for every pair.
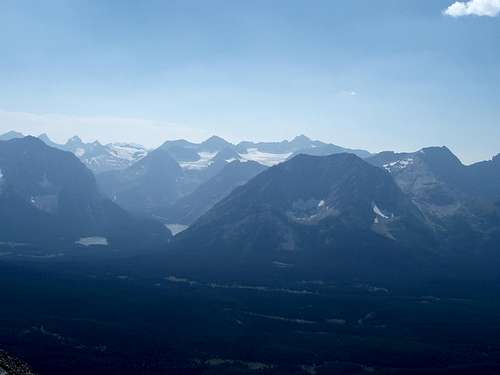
101,158
96,156
334,212
299,145
49,196
10,135
298,204
152,182
460,201
147,187
158,190
190,207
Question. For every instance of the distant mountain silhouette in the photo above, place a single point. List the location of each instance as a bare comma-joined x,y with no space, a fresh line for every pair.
98,157
10,135
189,208
299,145
152,182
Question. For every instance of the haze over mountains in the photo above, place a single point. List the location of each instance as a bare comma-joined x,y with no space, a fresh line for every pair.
297,204
48,196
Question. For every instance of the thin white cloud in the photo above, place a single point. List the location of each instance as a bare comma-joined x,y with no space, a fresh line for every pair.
349,92
489,8
103,128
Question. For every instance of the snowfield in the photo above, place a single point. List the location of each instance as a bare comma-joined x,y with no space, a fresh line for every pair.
92,241
176,228
399,164
264,158
126,151
204,161
378,212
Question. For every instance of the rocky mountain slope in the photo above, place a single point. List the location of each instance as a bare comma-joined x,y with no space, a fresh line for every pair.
334,212
190,207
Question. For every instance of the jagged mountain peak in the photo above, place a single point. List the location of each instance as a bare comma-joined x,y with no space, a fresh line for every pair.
74,140
226,154
44,137
215,143
28,140
177,143
301,138
159,158
441,156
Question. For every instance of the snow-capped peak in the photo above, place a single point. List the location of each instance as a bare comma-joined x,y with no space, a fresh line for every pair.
265,158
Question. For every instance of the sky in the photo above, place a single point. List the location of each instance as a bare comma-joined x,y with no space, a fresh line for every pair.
378,75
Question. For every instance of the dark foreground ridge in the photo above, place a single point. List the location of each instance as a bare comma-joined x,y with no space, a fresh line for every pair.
12,366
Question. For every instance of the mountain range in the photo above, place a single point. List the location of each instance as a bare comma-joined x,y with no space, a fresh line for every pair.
149,182
113,156
386,216
192,206
298,205
460,202
323,213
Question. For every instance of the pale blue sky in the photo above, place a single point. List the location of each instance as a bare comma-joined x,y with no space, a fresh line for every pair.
386,74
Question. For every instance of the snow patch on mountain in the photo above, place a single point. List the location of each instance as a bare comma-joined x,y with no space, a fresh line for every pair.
379,212
265,158
80,152
310,211
176,228
46,202
235,159
127,151
398,164
382,222
92,241
204,162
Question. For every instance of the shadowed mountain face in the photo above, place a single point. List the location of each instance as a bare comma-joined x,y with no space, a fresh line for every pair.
483,179
458,200
189,208
165,175
48,195
309,210
154,181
